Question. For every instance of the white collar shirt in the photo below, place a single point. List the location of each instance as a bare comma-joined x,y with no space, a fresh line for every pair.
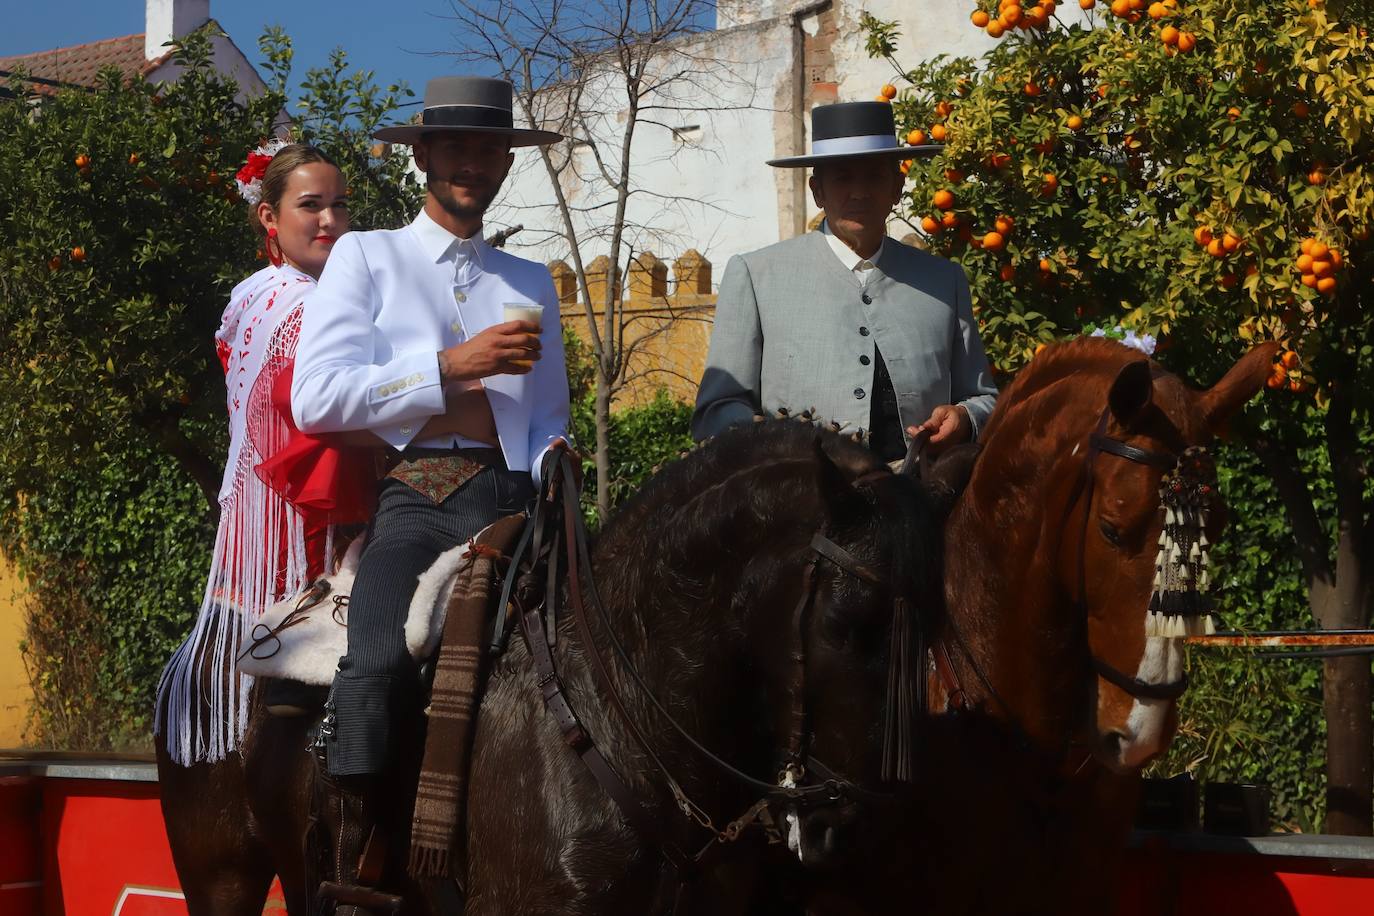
861,268
466,257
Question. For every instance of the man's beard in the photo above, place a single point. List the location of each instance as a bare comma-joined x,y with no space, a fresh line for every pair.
443,193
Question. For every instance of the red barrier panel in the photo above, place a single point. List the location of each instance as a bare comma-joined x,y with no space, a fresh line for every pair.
105,850
21,859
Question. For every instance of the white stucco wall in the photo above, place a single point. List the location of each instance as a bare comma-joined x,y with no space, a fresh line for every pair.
740,203
706,188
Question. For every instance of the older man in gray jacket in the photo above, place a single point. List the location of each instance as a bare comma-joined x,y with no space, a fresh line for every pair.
873,334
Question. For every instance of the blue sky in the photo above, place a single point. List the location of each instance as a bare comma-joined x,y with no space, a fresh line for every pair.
392,39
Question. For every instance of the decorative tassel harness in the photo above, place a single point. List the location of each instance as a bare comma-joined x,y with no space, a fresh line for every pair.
1181,604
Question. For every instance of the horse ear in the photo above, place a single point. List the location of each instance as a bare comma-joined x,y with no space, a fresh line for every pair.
1132,391
1239,385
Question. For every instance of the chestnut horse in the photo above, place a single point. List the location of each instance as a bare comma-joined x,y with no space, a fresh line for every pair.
739,624
1050,697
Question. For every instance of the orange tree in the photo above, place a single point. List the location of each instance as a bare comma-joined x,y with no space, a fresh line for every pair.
1197,170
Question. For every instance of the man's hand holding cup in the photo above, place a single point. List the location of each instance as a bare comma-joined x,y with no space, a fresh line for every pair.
509,348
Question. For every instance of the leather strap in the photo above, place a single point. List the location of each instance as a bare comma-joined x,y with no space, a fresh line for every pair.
843,559
1141,690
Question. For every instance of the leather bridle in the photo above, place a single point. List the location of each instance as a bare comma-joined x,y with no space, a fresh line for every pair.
1098,442
804,783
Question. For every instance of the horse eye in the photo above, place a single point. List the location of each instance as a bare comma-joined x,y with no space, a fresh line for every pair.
1110,533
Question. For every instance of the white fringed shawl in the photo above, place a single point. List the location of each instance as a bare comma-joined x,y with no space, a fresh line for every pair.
260,547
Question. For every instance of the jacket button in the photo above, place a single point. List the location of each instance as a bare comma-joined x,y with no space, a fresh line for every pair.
863,332
459,296
859,393
868,300
863,360
456,327
405,430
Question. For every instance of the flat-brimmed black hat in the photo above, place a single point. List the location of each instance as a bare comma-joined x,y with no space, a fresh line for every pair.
855,130
476,104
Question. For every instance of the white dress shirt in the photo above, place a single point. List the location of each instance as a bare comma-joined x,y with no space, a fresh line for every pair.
861,268
387,303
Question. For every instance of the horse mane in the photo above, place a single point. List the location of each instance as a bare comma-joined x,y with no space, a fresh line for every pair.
1059,361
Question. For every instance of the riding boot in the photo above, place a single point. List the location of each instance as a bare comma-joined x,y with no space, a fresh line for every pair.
351,849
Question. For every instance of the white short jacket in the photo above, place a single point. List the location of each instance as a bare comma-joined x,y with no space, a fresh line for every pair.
387,303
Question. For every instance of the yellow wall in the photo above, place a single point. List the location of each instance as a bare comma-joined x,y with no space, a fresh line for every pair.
15,694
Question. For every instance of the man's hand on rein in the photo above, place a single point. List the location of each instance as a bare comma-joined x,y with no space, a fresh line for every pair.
948,424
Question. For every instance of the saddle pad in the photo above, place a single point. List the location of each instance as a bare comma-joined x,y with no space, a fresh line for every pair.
308,647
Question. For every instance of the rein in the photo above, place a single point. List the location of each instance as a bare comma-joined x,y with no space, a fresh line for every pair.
792,789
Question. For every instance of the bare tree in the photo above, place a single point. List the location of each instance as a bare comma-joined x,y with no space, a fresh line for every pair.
600,72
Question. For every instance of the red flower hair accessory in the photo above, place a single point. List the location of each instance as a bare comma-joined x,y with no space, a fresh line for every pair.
249,178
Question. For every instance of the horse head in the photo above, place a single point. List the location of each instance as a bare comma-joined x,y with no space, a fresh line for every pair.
1087,520
1150,512
799,561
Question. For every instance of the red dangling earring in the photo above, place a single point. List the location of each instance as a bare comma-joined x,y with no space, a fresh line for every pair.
274,252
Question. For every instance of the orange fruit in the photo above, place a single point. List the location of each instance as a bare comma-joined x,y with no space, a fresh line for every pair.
1277,371
1273,382
1032,90
938,133
1322,269
82,161
1045,265
943,199
1309,280
1202,235
1039,347
1229,280
1297,385
1316,176
1087,4
1216,249
979,18
1003,224
929,225
916,137
1036,17
1317,250
1049,185
78,254
1121,8
905,166
133,159
1304,264
1335,258
1289,359
1102,91
1230,242
996,28
943,109
55,262
1300,109
1233,113
954,176
1168,35
1011,15
1326,285
1158,11
1074,122
882,98
1306,246
889,91
1186,41
994,241
1007,273
950,219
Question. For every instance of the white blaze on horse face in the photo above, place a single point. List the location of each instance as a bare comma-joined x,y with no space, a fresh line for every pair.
1147,726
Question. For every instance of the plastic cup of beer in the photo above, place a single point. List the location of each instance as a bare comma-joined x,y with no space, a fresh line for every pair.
525,311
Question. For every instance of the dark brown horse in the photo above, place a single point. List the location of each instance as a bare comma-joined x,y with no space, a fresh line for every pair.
701,576
1052,697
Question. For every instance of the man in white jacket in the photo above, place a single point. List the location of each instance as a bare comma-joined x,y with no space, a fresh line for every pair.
405,338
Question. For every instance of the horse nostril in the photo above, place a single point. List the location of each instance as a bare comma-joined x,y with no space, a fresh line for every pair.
1113,742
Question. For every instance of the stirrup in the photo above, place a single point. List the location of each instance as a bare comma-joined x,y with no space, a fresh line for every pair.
363,896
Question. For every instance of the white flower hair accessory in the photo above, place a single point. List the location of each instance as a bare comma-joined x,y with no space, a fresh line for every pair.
1145,343
249,178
